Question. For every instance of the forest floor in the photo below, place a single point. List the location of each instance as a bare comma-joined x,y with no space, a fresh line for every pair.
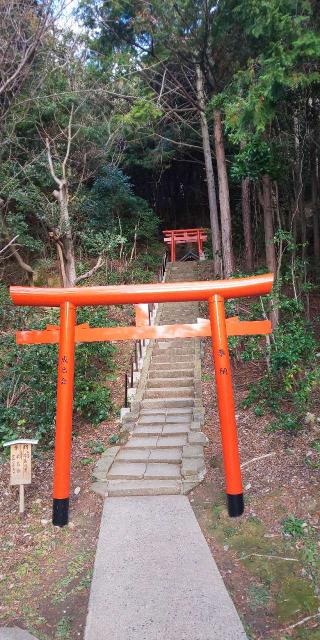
269,558
46,571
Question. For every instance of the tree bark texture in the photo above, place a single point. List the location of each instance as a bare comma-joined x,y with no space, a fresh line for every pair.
214,219
271,259
268,223
66,235
224,198
315,206
246,221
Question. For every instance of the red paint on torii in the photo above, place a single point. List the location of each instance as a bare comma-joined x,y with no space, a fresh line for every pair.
173,237
67,334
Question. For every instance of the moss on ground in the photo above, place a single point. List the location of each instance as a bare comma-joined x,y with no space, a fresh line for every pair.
279,569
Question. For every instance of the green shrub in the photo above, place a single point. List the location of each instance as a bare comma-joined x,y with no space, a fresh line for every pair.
28,378
292,375
292,371
293,526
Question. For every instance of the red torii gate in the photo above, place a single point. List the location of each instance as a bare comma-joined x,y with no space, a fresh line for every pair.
67,334
173,237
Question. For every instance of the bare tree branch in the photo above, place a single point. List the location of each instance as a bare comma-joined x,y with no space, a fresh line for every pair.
50,163
9,244
66,157
90,273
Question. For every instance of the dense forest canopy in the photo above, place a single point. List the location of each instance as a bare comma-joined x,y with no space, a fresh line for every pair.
147,115
187,112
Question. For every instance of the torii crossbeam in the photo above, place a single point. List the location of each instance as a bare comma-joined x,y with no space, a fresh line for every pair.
67,334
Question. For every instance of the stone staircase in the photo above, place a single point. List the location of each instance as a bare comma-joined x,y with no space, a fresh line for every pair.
164,451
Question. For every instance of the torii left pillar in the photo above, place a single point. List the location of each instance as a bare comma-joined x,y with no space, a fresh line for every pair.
65,383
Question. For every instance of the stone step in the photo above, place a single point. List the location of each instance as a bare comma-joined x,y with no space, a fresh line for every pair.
155,442
170,456
163,416
162,471
170,358
174,351
144,442
179,320
159,418
175,342
180,273
177,353
178,312
143,487
173,455
161,403
179,411
175,428
164,428
167,442
134,455
170,366
164,382
125,470
168,373
151,429
179,350
168,392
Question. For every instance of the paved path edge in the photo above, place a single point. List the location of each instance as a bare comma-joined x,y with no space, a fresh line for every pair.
155,578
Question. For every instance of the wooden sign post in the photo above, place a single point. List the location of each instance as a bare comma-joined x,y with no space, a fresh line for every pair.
20,465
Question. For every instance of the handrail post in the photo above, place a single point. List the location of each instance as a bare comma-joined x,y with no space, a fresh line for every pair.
62,456
126,390
131,372
228,426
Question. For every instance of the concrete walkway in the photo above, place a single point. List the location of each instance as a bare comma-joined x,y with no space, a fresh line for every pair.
155,578
14,633
154,575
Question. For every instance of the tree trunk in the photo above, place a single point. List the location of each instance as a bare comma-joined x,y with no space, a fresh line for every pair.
66,235
214,220
268,235
246,221
224,198
315,206
316,235
268,224
61,265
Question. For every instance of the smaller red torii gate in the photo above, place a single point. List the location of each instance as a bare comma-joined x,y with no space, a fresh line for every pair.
172,237
67,334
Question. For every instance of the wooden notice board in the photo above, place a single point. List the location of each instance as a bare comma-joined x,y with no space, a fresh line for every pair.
20,464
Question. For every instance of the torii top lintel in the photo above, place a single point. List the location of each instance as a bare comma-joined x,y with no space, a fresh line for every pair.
142,294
